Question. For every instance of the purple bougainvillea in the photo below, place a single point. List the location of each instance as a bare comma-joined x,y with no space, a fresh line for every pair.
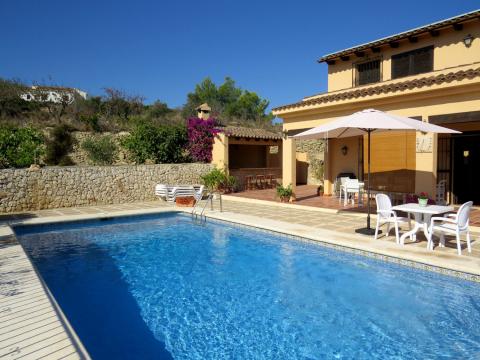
201,135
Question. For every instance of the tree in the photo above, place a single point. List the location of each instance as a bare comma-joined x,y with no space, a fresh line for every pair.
157,110
20,147
59,146
248,106
118,104
228,102
162,144
207,92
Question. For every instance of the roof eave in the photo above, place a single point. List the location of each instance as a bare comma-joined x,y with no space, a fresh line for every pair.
403,35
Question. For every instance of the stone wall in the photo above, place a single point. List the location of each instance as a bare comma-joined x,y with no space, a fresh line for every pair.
315,150
54,187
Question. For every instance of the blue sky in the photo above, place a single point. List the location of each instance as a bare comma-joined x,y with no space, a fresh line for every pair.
161,49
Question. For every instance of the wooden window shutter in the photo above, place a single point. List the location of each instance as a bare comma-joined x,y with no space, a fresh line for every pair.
368,72
422,61
412,62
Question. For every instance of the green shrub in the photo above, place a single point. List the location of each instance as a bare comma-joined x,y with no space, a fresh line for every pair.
58,147
219,180
101,151
20,147
162,144
91,122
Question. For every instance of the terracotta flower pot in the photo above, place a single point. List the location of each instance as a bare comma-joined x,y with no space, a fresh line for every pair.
187,201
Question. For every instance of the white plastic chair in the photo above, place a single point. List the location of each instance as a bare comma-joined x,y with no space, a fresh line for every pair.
343,180
198,194
385,215
453,224
351,187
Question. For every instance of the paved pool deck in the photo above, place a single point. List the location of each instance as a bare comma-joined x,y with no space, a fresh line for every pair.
32,325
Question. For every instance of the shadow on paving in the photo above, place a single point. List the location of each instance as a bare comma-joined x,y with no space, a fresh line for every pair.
5,218
92,293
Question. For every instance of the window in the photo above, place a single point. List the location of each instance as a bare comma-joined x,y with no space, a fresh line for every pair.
367,72
412,62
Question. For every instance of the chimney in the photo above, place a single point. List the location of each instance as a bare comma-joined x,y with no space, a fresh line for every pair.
203,111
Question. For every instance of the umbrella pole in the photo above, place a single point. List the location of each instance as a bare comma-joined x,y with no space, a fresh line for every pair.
368,230
368,180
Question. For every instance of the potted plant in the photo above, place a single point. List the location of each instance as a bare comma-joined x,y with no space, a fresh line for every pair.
229,182
423,199
320,190
212,180
219,181
284,192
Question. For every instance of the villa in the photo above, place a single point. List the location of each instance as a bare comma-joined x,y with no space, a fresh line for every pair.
93,265
431,73
54,94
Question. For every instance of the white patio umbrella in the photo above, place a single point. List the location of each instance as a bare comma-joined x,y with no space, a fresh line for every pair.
366,122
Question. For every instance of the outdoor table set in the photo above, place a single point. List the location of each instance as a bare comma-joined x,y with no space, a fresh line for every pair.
261,181
426,221
422,216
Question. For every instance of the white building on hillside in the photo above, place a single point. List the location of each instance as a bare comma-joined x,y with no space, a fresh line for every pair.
53,94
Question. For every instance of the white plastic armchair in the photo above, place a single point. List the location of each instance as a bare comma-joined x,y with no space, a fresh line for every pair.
453,224
198,194
351,187
385,215
343,192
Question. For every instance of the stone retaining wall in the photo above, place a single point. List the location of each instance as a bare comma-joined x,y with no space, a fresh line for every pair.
54,187
315,150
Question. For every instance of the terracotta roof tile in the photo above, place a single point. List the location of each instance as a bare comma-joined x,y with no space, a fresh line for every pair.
254,133
386,88
404,35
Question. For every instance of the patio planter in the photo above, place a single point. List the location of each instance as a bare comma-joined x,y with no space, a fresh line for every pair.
422,202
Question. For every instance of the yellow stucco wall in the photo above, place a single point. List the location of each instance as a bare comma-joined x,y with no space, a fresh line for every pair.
457,97
449,51
220,151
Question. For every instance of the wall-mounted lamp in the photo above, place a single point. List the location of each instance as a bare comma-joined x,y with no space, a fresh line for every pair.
344,149
467,40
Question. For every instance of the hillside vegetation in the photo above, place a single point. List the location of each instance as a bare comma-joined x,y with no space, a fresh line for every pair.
41,130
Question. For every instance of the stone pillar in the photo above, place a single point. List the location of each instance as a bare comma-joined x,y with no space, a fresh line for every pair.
289,170
327,173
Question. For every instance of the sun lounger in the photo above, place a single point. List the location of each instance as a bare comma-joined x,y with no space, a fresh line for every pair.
170,193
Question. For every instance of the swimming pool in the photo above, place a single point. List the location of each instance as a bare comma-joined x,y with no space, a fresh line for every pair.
162,287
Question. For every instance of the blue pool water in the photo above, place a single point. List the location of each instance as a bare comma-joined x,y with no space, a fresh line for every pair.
161,287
